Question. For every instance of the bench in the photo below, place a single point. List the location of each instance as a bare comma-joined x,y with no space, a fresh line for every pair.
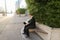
32,30
37,30
42,30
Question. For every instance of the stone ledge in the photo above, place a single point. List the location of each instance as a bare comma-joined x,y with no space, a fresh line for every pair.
46,29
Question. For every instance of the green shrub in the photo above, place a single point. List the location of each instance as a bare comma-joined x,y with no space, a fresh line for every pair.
20,11
45,11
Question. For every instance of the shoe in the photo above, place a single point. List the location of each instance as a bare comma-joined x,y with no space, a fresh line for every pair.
27,36
23,33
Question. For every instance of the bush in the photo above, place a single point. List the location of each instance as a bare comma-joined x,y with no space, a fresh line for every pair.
45,11
20,11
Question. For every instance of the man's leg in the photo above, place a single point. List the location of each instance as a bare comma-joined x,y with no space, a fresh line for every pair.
25,29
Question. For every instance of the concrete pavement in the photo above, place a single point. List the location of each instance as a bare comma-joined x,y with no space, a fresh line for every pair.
11,30
3,22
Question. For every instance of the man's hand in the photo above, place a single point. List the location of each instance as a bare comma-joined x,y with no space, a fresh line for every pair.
26,23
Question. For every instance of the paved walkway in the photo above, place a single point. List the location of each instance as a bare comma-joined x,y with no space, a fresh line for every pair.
55,34
3,22
10,29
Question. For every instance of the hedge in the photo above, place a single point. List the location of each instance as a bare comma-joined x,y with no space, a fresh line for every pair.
20,11
45,11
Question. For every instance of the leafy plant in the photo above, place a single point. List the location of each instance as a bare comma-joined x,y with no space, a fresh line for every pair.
45,11
20,11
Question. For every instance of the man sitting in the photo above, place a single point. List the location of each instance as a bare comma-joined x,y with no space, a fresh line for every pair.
30,24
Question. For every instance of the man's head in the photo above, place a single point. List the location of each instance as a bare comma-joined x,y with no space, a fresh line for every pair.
30,15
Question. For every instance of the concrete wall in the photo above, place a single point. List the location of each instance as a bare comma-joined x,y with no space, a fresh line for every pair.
46,29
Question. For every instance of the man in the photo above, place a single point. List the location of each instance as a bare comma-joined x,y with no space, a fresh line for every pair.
29,25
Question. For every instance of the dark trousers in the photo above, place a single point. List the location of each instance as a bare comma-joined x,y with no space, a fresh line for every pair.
26,29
